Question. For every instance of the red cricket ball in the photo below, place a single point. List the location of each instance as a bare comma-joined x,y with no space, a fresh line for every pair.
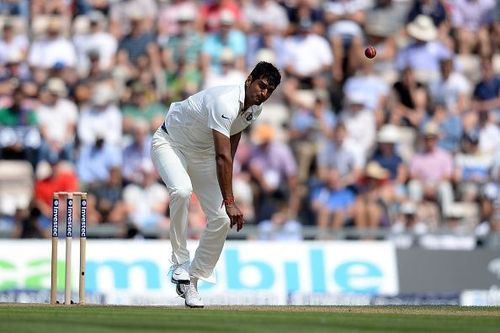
370,52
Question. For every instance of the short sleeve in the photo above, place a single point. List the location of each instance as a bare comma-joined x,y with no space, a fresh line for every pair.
220,115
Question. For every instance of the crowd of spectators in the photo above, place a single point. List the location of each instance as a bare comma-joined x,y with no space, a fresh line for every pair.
407,142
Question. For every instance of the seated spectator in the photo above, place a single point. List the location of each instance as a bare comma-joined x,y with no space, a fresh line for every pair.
15,8
431,171
341,155
186,43
359,122
120,14
182,81
472,168
136,153
172,15
305,69
147,200
12,74
345,20
108,198
96,160
53,48
280,227
12,43
226,37
471,20
142,108
450,127
139,42
333,203
57,117
263,44
274,170
31,224
409,100
40,7
372,203
408,227
211,14
435,9
301,10
98,41
387,156
56,177
489,132
452,89
268,13
383,33
19,138
371,86
486,95
425,52
490,202
100,117
311,123
229,74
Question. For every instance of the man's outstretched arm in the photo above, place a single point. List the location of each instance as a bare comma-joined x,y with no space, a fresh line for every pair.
224,163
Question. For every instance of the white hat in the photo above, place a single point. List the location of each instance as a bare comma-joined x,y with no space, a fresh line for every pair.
136,15
266,55
431,129
57,86
388,134
422,28
226,17
186,14
227,56
96,16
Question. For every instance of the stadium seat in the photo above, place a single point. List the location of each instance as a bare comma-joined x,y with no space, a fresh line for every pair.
16,185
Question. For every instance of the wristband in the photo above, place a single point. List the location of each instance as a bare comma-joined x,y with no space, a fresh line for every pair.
228,201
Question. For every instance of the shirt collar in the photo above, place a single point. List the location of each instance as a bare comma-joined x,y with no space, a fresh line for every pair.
242,95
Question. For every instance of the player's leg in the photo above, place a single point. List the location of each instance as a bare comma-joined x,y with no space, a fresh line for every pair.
206,187
171,165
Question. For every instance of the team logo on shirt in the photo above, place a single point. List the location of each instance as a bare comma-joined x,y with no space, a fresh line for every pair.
248,115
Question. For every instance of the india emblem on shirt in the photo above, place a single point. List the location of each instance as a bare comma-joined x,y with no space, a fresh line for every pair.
248,115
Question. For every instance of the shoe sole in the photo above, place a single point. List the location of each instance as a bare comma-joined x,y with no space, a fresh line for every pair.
179,281
195,306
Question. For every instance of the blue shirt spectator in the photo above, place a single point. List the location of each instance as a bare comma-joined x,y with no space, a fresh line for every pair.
425,53
334,199
214,44
96,161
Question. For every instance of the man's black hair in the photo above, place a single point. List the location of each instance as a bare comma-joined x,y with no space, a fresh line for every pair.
268,71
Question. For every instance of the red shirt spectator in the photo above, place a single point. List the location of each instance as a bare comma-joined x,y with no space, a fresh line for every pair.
210,13
56,178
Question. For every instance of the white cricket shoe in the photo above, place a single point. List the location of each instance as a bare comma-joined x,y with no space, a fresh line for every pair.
180,273
192,297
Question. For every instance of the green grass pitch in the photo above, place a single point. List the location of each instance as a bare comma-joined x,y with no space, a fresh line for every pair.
19,318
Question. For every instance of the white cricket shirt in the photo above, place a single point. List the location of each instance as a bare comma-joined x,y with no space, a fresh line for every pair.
191,121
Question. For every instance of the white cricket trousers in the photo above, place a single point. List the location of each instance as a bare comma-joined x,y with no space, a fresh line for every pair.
184,172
